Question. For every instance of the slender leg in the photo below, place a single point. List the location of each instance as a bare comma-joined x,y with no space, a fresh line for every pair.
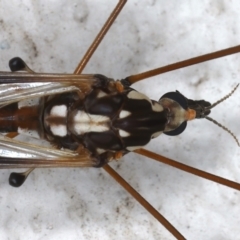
210,56
100,36
188,169
144,203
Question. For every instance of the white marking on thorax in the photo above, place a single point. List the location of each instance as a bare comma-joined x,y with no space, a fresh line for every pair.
59,130
59,111
132,148
101,94
124,114
137,95
123,133
83,122
156,134
156,107
100,150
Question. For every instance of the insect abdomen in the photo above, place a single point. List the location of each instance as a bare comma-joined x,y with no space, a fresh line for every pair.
17,118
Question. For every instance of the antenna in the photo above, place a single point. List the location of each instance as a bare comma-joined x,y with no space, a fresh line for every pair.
217,123
222,99
224,128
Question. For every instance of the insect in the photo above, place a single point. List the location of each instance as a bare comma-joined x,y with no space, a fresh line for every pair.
182,151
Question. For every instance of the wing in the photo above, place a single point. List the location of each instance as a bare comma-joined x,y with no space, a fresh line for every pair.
19,154
20,151
15,87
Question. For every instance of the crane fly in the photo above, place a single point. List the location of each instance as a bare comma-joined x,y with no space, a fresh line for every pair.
179,148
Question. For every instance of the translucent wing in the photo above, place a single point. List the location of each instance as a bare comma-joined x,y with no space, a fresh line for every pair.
21,151
15,87
18,154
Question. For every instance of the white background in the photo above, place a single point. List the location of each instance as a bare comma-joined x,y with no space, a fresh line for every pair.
52,36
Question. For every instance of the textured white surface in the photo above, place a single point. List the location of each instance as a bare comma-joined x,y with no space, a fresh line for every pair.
52,36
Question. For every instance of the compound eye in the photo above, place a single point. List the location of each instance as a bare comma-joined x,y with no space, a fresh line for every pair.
178,130
177,97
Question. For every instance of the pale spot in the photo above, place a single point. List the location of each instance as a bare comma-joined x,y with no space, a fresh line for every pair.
137,95
100,150
83,122
132,148
101,94
177,113
82,128
156,134
156,107
124,114
59,130
28,102
59,110
27,132
81,116
123,133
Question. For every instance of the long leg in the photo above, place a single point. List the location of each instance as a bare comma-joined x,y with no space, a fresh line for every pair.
185,63
144,203
100,36
189,169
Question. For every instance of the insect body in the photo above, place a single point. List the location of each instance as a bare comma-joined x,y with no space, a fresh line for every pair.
95,117
175,146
